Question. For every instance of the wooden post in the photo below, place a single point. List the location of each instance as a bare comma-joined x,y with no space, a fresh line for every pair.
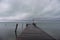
16,30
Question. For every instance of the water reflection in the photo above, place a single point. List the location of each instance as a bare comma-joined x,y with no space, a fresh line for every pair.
7,29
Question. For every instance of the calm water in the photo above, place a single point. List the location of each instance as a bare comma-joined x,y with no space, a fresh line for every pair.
7,29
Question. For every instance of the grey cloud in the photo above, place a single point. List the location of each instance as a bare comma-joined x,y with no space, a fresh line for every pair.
33,8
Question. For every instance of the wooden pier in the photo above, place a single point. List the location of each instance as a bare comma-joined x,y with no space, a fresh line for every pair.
32,32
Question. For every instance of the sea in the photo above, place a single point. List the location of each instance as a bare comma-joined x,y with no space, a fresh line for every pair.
7,29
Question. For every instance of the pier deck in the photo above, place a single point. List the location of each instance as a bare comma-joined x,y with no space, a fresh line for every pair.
32,32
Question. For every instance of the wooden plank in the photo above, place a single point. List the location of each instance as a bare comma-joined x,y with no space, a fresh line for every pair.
34,33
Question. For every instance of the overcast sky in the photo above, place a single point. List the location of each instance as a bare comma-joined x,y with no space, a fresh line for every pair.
24,9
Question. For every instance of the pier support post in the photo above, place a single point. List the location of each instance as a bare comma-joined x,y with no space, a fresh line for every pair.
16,30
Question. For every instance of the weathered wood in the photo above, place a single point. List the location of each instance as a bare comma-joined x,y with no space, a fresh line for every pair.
16,30
34,33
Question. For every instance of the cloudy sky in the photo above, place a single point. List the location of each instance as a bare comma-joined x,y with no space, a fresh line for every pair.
25,9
